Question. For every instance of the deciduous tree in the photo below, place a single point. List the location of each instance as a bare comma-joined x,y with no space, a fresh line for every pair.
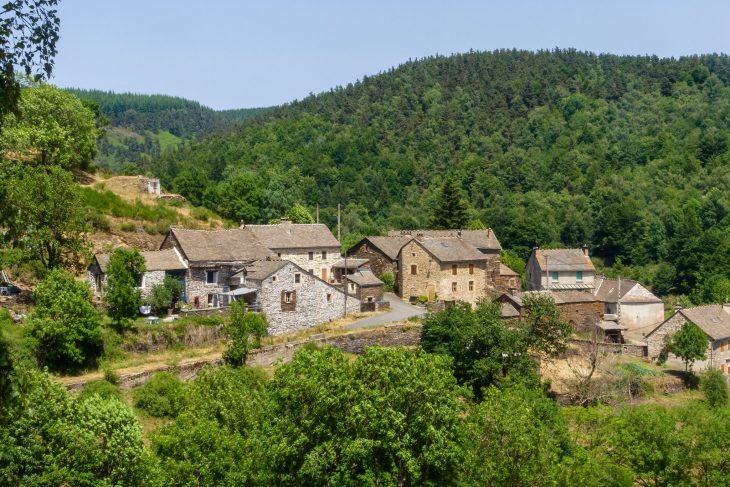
123,278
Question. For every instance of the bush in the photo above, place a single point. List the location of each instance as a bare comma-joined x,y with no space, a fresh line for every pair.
714,385
122,294
388,280
163,295
245,331
150,229
423,299
162,396
103,388
128,227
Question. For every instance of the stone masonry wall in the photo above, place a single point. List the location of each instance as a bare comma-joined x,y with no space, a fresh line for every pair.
196,285
151,278
318,265
655,341
378,262
312,304
581,316
434,278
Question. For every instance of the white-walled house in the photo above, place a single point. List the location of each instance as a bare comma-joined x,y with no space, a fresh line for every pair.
560,270
629,303
159,264
311,246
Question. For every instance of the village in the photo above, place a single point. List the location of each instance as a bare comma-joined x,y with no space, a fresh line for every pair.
296,275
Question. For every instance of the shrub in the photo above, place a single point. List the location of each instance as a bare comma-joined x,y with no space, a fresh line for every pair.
163,295
103,388
162,396
423,299
714,385
128,227
388,280
122,294
245,331
150,229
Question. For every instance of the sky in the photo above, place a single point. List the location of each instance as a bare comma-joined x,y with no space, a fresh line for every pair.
239,54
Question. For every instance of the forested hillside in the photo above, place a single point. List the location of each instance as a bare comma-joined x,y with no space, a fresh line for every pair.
143,126
628,154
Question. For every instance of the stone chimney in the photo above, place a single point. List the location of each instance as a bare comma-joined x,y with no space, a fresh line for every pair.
726,307
585,250
513,291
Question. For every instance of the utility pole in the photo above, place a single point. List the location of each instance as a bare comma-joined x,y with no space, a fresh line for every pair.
547,274
346,283
339,235
317,212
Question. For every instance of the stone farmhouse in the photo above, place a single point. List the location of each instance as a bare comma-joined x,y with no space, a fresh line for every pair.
581,310
159,264
365,287
212,257
291,298
560,270
381,254
311,246
713,319
629,304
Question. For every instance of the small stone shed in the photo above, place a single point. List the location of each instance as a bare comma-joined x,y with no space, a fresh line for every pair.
159,264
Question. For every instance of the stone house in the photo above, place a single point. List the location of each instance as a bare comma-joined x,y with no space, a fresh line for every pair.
560,270
159,264
713,319
364,286
344,267
630,304
581,310
381,253
212,257
311,246
447,269
291,297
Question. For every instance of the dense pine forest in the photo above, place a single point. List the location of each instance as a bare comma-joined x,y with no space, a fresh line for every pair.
141,127
554,148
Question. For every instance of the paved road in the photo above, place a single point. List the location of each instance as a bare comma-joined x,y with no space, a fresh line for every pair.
399,310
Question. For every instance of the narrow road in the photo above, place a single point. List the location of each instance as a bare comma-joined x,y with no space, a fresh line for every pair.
399,311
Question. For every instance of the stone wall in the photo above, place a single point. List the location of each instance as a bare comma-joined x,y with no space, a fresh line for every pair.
581,316
320,267
313,306
408,335
608,347
167,337
433,278
655,340
196,286
375,292
150,279
378,262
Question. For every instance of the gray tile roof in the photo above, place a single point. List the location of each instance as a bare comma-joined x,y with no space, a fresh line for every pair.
606,289
287,235
451,249
560,297
712,319
563,260
351,263
364,278
390,246
506,271
481,239
232,245
259,270
156,260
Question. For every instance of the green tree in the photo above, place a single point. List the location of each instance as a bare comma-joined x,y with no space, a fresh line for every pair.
44,217
714,385
28,36
163,295
331,419
299,214
52,127
162,395
123,277
546,331
245,331
452,210
64,323
690,344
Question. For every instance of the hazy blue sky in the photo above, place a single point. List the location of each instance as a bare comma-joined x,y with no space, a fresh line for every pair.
231,54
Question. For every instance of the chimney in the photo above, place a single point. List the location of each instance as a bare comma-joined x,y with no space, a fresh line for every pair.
726,307
242,224
513,291
585,250
489,233
677,307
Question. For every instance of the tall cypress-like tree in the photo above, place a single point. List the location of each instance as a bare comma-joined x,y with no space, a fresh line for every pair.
452,210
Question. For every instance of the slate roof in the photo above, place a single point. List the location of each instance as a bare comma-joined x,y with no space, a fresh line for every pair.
232,245
506,271
156,260
562,297
563,260
364,278
606,290
712,319
287,235
390,246
259,270
451,249
351,263
509,311
481,239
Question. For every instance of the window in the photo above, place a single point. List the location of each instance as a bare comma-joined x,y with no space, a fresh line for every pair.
413,254
579,276
471,285
554,276
453,287
454,269
273,278
329,297
211,277
311,271
370,299
471,268
722,345
297,277
311,256
278,254
287,297
141,282
324,274
324,255
414,269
